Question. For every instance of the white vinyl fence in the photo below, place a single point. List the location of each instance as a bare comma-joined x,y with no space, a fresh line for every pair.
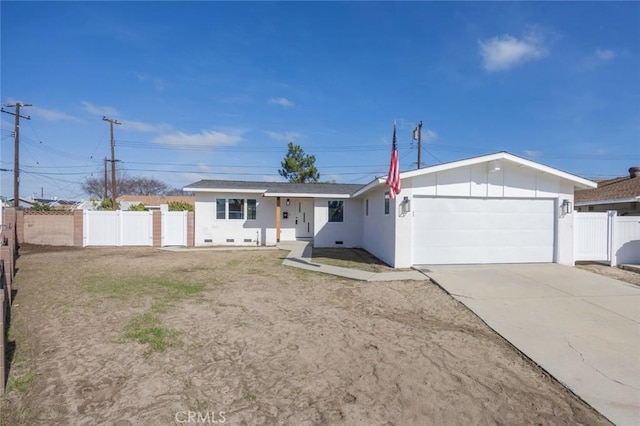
117,228
174,229
606,237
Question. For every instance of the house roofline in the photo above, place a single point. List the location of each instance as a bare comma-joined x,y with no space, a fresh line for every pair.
226,190
502,155
304,195
578,181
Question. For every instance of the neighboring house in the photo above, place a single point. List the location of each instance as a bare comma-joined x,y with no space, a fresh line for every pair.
24,203
56,204
152,202
496,208
621,194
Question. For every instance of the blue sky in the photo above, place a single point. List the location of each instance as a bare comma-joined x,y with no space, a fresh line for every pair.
215,90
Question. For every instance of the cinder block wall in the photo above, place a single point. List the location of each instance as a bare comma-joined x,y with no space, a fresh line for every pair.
48,228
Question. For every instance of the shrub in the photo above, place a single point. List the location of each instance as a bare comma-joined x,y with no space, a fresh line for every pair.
178,206
138,208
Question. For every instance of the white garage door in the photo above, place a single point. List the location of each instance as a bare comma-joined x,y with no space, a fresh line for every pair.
482,230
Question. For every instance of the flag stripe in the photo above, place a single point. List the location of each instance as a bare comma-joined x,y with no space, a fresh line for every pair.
393,178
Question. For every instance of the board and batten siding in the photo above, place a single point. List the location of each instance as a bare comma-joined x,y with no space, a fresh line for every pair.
477,181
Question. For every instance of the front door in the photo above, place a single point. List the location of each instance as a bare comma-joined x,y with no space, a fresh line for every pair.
304,218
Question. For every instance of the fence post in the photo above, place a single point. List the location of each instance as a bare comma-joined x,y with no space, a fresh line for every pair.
611,231
3,334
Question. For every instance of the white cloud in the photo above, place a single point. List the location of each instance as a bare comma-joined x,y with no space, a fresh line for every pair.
206,138
52,115
158,83
283,136
99,110
429,135
599,57
605,54
532,154
284,102
141,126
504,52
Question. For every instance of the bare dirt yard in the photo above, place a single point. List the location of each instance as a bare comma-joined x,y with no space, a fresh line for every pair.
140,336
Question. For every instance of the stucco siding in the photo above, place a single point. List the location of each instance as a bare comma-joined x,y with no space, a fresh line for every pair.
212,231
327,234
378,231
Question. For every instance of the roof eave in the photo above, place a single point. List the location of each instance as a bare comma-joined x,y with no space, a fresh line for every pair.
225,190
368,187
609,201
578,181
304,195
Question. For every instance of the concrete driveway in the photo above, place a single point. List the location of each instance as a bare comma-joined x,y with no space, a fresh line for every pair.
581,327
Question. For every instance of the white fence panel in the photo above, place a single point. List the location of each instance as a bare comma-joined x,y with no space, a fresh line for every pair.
101,228
136,228
174,229
627,240
117,228
591,236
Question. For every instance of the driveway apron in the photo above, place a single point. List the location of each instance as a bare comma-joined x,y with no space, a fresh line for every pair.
582,328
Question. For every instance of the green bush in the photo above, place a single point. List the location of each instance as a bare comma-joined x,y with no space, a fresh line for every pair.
40,207
178,206
138,208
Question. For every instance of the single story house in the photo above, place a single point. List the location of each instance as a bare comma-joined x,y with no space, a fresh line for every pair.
621,194
496,208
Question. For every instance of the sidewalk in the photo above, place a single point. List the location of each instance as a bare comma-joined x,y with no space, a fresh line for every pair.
300,253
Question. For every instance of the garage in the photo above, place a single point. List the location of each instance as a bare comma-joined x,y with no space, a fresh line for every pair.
453,230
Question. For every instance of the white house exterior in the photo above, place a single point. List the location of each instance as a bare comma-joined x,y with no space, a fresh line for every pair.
497,208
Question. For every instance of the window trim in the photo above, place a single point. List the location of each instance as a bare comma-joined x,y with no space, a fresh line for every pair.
242,208
255,209
224,209
387,203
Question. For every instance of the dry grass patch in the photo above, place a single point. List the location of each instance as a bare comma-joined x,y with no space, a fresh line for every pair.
353,258
145,334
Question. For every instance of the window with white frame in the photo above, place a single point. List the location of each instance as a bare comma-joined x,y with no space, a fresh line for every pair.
236,209
251,209
221,208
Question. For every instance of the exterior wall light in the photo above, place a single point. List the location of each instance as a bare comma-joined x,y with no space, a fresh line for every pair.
566,207
406,205
288,202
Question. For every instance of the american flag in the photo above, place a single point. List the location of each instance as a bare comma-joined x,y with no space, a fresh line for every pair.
393,178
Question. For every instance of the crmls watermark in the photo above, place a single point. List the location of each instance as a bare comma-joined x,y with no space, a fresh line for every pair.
200,417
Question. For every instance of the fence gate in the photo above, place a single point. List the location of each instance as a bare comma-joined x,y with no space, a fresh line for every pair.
592,236
117,228
174,229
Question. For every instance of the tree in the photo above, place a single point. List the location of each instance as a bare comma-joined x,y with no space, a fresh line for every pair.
298,167
41,207
137,185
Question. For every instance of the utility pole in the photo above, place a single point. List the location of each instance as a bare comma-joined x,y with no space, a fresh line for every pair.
105,193
16,150
113,162
417,135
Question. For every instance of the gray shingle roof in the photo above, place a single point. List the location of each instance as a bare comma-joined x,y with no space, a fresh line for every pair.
278,187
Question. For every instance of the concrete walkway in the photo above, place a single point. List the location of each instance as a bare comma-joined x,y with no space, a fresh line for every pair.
583,328
300,254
